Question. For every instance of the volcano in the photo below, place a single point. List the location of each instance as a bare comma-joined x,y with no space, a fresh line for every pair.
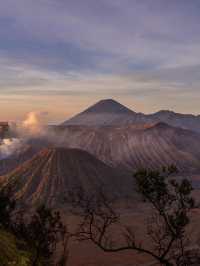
53,172
104,113
134,147
109,112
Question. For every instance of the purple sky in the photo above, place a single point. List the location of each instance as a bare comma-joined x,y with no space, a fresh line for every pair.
60,55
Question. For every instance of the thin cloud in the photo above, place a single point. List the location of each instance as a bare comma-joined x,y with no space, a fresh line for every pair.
143,51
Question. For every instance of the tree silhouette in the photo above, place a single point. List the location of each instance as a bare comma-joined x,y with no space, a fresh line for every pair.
7,206
171,204
42,232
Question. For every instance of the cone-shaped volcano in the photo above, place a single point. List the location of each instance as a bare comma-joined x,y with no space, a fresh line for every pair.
53,172
105,112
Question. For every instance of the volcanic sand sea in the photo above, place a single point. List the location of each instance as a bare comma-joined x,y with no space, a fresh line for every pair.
87,254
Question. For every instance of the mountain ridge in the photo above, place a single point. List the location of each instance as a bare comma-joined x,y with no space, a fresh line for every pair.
134,147
110,112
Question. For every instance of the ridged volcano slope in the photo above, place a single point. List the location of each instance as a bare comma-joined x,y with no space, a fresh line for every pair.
52,173
131,147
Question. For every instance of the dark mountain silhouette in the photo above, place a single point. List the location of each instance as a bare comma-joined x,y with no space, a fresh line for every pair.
108,106
104,113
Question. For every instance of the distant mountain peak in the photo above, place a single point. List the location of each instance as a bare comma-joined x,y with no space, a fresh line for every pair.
103,113
109,112
165,112
108,106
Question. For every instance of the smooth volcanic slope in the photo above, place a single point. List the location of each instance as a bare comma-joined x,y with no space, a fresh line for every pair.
109,112
104,113
130,147
53,172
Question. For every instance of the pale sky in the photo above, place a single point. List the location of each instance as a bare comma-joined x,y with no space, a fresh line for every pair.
60,56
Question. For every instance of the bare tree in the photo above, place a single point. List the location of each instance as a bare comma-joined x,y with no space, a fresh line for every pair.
171,204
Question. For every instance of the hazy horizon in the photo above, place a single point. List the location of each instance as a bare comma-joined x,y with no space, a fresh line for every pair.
60,57
47,119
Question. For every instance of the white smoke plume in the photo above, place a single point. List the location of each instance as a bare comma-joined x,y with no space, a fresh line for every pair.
31,127
9,146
